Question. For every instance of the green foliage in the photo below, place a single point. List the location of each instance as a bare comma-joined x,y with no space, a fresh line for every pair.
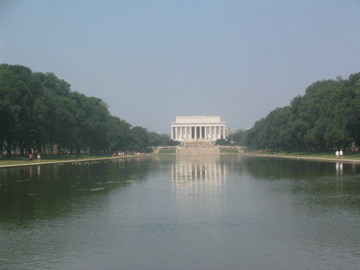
222,142
39,110
327,117
139,139
156,139
237,137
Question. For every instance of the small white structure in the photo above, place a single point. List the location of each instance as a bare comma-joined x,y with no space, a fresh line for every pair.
197,128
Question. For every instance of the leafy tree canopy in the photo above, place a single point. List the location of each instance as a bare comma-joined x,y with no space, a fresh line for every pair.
325,118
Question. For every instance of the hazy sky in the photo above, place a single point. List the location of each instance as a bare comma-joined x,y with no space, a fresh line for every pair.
153,60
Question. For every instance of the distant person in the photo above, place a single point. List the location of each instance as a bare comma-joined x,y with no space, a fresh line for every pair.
38,157
341,153
337,154
31,157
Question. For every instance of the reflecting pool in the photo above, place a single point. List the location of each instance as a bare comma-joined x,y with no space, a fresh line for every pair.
216,212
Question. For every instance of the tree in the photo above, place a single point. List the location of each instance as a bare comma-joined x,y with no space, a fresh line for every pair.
140,139
326,117
237,137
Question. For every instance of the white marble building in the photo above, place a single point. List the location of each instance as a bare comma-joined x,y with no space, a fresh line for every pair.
197,128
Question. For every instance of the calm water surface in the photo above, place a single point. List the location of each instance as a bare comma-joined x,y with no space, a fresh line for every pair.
225,212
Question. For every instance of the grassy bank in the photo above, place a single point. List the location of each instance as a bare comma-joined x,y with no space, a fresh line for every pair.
167,151
311,155
13,161
229,151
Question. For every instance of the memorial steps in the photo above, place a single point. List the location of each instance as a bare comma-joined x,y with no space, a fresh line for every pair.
197,149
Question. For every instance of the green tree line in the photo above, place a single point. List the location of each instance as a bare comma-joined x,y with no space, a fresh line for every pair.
325,118
40,111
232,139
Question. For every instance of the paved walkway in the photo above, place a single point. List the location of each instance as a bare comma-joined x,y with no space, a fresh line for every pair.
344,160
35,163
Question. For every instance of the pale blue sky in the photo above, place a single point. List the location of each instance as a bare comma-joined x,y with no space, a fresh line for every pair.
154,60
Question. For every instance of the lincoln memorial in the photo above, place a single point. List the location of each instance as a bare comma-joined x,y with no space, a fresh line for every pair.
197,128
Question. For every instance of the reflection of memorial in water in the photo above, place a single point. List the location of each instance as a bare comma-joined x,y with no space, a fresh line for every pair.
198,176
198,196
198,170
